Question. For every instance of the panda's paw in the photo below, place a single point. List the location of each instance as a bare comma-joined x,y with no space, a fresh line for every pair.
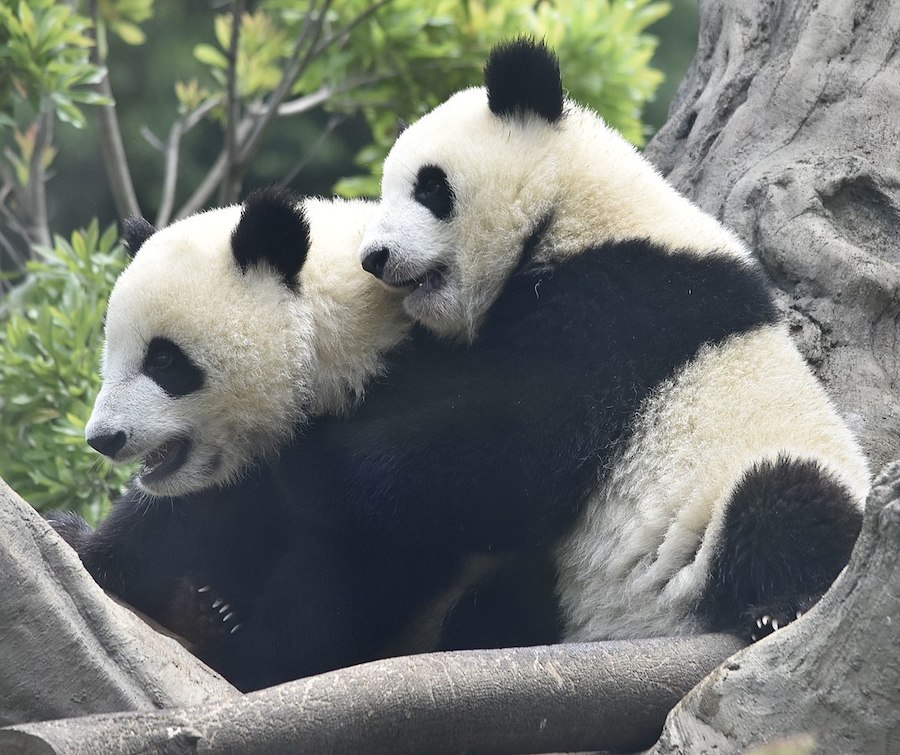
219,614
764,620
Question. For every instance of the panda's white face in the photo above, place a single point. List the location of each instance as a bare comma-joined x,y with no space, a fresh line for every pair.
513,168
459,200
204,364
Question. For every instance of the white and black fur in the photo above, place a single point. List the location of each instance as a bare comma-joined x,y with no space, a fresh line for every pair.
226,333
630,396
264,307
222,339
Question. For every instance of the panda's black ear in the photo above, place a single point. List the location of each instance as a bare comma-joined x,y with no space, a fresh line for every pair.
134,232
272,230
522,77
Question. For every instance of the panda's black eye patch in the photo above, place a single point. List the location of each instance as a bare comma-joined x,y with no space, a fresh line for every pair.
433,191
171,369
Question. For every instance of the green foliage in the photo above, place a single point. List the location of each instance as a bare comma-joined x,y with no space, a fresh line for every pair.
409,55
45,60
50,341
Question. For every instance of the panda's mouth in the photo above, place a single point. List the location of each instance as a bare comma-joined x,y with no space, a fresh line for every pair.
165,460
431,280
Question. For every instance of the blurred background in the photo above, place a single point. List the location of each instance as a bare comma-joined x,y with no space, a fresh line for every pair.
111,108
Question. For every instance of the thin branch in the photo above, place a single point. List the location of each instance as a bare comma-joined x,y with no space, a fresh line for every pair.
170,176
295,66
253,127
152,139
230,186
333,122
37,222
111,146
344,31
215,174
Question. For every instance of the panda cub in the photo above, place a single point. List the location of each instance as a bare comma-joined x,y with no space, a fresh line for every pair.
226,333
609,379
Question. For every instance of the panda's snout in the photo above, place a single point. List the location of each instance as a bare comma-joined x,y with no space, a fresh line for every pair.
375,260
108,444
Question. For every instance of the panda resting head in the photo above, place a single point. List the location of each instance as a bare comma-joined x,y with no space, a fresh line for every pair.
228,329
509,169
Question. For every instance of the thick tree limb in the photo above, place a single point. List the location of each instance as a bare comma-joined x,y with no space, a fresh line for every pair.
786,127
66,648
566,697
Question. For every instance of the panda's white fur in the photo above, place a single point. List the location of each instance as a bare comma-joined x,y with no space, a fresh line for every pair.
637,560
271,356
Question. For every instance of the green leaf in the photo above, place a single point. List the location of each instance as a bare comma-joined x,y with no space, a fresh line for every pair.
210,56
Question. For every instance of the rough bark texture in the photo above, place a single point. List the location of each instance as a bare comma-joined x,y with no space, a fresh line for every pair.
786,128
544,699
66,649
834,675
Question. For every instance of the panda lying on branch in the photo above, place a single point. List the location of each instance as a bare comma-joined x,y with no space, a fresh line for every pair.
600,387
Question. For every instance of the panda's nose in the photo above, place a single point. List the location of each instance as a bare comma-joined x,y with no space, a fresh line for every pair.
374,261
108,444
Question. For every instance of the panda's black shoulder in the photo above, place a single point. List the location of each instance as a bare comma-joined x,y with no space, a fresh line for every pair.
644,286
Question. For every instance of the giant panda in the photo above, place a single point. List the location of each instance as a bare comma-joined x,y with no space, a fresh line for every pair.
228,333
225,334
600,375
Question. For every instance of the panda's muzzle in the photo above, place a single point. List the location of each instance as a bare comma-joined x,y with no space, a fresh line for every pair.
376,263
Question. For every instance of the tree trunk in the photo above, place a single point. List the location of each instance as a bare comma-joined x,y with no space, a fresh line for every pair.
786,128
66,649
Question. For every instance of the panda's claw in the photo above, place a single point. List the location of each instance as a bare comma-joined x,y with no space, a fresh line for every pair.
205,588
235,628
228,616
225,607
217,603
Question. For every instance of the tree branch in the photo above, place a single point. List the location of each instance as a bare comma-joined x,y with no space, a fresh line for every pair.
112,148
230,187
171,149
36,221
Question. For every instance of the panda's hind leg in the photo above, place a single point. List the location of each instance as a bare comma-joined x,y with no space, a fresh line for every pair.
788,530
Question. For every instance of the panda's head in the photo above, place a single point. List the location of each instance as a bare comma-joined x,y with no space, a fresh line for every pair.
207,345
508,170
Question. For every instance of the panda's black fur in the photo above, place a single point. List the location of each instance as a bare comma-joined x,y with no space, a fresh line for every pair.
269,585
493,447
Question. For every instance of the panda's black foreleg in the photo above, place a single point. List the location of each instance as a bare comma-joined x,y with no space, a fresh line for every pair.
788,531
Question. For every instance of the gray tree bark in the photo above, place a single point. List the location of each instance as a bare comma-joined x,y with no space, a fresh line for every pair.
786,128
560,698
66,649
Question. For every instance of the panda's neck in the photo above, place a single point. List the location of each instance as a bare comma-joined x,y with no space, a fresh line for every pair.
355,324
620,196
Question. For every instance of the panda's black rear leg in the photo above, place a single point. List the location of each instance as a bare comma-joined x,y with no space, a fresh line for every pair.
788,531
